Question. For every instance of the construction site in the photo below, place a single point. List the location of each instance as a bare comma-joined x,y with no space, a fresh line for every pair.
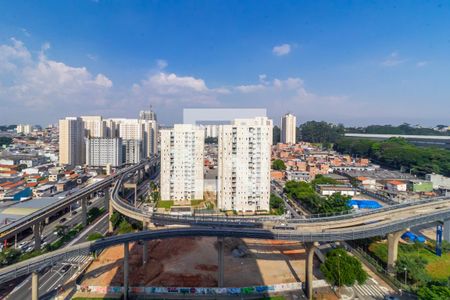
193,262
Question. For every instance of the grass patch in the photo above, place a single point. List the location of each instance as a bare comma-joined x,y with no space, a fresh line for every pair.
437,267
167,204
196,202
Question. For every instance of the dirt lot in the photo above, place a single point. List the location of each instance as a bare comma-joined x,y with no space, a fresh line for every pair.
192,262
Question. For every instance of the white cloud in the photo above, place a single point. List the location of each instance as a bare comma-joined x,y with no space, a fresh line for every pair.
161,64
25,32
392,60
251,88
41,83
421,64
92,57
281,50
168,89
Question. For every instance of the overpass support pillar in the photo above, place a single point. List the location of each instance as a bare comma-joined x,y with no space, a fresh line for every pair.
393,239
144,252
37,229
446,231
110,213
34,286
84,211
126,254
220,249
106,199
310,249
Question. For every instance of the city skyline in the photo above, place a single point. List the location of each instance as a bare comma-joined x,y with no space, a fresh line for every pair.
352,61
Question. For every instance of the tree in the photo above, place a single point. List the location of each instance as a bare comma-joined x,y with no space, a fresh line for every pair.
94,236
341,269
277,204
278,165
9,256
115,219
4,140
413,267
61,230
321,132
320,179
434,292
93,213
155,196
125,227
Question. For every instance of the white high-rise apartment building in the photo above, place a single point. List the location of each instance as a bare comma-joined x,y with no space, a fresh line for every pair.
132,133
244,165
149,115
71,141
142,135
101,152
288,129
150,137
24,128
182,163
132,151
94,126
211,130
148,118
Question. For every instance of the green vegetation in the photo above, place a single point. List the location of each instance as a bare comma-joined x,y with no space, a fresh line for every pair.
399,154
94,236
341,269
434,292
61,230
305,193
7,127
422,264
125,227
405,128
278,165
276,205
115,219
9,256
273,298
196,202
94,213
320,132
320,179
167,204
4,140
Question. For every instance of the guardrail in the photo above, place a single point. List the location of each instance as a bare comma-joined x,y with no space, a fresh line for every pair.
351,214
26,222
363,231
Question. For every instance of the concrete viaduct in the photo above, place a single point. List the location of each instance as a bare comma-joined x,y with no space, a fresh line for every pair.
391,222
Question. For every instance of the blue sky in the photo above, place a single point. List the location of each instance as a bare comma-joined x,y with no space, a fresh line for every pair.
355,62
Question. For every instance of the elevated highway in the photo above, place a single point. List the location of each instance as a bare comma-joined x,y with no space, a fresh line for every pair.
391,222
36,219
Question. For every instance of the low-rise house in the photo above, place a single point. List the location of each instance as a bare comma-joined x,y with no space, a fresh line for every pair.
396,186
367,182
420,186
298,176
330,189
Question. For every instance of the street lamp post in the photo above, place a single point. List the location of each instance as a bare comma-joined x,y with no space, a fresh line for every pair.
404,269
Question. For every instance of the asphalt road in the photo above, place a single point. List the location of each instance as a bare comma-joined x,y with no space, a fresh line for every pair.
51,279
